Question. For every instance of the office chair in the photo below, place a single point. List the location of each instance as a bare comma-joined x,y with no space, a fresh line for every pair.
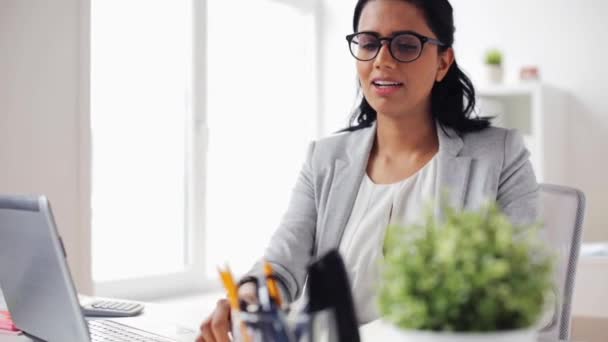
561,212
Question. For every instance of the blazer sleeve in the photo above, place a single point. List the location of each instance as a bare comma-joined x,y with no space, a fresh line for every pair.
519,198
290,248
518,191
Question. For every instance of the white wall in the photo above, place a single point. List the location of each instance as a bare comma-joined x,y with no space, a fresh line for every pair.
338,79
566,39
43,134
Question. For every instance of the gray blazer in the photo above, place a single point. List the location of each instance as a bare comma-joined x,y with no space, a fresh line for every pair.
492,164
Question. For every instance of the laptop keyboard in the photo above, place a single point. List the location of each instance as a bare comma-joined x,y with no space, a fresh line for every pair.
110,331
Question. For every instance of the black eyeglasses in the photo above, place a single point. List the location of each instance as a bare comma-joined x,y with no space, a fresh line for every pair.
403,46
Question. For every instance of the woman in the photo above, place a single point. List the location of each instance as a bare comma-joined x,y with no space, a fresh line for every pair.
412,139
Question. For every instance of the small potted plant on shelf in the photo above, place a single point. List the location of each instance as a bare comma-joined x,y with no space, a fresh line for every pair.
472,277
494,66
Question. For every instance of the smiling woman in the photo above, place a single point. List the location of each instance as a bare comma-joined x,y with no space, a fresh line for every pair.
411,140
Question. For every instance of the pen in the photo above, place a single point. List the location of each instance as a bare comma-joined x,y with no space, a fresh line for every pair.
280,330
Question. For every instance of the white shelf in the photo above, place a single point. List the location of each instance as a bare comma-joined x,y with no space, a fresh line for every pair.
537,111
512,89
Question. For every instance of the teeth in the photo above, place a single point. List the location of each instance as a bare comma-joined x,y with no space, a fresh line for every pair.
387,84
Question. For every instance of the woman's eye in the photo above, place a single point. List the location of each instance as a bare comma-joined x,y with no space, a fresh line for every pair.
407,47
370,46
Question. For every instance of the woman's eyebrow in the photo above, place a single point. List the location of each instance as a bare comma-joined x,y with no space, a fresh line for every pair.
394,33
369,31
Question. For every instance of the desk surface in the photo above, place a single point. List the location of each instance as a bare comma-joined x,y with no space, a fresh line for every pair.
153,313
189,312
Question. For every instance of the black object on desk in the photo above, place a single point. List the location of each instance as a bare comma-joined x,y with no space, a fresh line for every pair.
329,288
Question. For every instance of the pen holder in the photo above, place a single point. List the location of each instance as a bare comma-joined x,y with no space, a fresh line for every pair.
238,328
273,326
266,326
328,314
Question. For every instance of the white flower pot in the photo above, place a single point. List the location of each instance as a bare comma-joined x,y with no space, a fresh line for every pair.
495,73
394,334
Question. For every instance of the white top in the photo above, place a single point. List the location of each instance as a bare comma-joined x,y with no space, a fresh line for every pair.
377,206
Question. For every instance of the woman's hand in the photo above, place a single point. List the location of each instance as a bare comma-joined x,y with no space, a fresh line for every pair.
216,327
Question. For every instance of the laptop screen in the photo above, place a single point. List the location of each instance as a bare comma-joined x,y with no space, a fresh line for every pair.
34,275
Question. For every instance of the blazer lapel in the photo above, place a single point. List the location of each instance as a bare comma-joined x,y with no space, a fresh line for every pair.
453,172
348,173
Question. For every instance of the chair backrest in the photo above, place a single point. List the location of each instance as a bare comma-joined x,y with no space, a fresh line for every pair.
562,210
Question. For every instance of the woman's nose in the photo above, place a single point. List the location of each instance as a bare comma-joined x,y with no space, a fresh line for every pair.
384,57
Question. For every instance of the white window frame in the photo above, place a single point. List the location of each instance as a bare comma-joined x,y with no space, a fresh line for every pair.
193,279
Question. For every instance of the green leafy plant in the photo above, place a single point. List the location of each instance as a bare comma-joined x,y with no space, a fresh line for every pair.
494,57
473,272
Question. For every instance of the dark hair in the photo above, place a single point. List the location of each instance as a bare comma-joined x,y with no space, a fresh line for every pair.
452,99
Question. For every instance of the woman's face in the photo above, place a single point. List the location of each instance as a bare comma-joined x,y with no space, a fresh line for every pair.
415,79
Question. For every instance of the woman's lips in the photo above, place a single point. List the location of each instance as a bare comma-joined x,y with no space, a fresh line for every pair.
385,88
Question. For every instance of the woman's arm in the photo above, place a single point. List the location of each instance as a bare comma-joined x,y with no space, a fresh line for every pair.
518,191
518,196
290,249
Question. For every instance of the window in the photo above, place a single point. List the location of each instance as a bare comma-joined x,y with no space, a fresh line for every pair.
200,121
262,113
141,66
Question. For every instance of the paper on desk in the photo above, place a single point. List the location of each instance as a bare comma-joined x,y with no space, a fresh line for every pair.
3,315
6,324
2,301
10,332
594,249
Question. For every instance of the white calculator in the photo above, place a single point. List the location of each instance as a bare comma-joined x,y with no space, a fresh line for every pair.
111,308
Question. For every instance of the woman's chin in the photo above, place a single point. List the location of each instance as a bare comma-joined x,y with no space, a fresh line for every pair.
395,109
392,111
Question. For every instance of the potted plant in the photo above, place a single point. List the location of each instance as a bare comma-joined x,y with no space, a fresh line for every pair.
471,277
494,66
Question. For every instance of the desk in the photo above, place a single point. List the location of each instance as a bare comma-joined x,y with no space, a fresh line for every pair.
189,312
154,314
367,335
373,332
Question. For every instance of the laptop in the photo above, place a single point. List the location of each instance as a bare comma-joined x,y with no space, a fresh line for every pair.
38,287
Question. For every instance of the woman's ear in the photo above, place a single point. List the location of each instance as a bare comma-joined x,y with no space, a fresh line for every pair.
445,61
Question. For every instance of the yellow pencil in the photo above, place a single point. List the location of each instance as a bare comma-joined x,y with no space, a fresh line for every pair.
273,290
230,287
233,298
